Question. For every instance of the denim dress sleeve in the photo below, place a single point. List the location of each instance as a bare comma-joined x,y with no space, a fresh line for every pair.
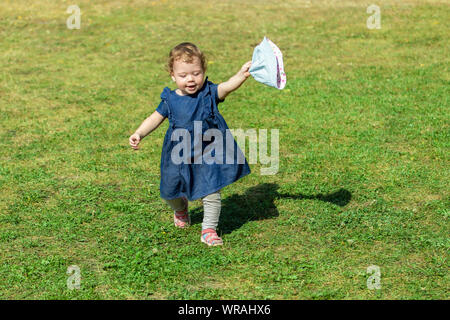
163,108
214,92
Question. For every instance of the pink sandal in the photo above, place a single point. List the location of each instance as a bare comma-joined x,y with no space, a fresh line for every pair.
181,219
210,237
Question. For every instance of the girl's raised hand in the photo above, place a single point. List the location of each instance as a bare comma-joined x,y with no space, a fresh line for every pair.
134,140
245,68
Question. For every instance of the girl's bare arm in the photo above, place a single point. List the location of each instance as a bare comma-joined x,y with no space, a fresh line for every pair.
225,88
150,124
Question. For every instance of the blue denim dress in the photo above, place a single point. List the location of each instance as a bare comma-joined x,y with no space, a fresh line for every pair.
197,176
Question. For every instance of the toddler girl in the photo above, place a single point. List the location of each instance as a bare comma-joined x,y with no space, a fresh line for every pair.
193,116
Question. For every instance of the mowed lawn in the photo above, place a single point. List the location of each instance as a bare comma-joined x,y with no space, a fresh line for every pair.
363,148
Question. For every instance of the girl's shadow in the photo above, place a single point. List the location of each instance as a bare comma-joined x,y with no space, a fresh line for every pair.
258,203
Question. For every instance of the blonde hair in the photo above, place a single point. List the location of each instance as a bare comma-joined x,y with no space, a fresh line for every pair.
186,52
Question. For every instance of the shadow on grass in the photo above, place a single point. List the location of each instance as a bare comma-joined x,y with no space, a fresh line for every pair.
257,203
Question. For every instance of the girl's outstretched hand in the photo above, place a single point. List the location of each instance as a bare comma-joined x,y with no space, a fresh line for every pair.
134,140
245,68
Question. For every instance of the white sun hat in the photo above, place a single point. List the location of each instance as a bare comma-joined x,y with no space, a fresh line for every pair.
267,65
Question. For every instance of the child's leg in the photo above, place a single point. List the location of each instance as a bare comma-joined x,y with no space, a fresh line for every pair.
211,209
177,204
181,217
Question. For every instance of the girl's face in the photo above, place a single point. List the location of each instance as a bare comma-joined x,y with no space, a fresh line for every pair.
188,76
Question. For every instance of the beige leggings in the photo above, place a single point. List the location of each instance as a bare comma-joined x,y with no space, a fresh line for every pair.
211,209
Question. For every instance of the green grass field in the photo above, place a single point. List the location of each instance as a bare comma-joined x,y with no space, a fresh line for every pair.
364,151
